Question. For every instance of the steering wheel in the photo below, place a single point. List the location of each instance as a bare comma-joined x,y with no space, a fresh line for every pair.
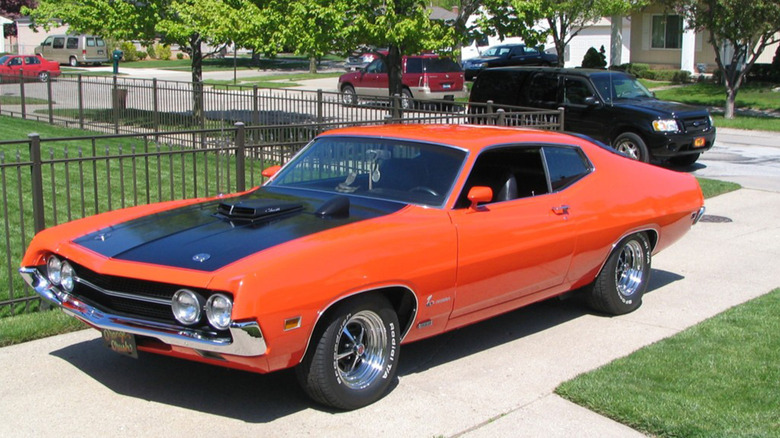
424,189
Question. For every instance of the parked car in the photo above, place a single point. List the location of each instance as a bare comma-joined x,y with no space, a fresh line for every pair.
74,49
507,55
370,238
31,67
609,106
357,62
424,77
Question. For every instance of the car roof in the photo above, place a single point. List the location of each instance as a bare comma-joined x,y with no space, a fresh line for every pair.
569,71
469,137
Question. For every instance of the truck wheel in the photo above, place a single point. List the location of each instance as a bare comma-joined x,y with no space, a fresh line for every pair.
407,101
73,61
632,145
353,357
348,95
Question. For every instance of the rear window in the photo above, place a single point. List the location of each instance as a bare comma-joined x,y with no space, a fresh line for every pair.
90,42
100,42
440,65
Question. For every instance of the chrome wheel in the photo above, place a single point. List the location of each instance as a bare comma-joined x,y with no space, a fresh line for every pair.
348,95
630,268
632,146
360,353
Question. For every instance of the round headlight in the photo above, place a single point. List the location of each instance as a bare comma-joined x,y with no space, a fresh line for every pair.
186,306
67,277
219,309
54,270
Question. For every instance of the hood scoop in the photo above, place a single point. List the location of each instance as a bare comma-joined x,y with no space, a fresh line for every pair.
334,208
255,210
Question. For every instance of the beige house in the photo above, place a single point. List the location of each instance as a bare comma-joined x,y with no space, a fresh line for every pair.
3,21
653,37
29,39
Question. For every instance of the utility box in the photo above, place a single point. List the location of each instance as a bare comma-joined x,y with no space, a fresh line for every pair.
117,56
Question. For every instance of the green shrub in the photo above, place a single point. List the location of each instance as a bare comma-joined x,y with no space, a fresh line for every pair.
180,55
163,51
150,50
673,76
594,59
637,69
130,54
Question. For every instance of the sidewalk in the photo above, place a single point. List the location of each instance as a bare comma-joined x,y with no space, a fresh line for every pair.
492,379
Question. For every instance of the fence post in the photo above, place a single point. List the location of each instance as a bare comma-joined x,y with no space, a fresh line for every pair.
37,182
319,110
50,101
561,111
154,106
255,107
489,108
21,93
115,104
81,101
501,121
240,157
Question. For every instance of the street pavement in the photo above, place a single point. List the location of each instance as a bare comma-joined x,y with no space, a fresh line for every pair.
492,379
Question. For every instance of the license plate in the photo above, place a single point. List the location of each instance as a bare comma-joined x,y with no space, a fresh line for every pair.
121,342
699,142
446,86
100,52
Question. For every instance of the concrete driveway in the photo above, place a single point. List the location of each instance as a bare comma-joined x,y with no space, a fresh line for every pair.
493,379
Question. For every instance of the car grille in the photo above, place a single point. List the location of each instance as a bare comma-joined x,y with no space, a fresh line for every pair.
696,124
136,295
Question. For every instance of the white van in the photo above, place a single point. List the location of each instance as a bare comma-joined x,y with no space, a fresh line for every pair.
74,49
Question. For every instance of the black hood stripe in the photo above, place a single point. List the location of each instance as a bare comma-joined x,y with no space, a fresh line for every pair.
196,237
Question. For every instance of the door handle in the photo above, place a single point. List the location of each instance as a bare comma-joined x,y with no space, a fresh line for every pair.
561,209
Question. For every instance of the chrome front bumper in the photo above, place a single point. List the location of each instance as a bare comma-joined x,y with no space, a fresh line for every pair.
245,339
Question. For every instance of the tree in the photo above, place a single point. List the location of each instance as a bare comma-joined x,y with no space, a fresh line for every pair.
12,9
187,23
317,27
745,27
564,18
403,26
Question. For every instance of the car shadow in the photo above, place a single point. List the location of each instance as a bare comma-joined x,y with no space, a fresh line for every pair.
262,398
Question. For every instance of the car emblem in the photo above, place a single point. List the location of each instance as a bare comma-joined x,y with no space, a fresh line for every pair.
202,257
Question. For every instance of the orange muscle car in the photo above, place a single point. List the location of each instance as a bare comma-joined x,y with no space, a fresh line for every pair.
369,238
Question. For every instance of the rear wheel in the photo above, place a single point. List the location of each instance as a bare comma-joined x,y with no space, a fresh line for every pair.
623,280
43,76
73,61
685,160
352,359
407,101
632,145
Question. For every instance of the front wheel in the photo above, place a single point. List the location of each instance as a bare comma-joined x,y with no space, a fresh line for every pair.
352,359
73,61
632,145
348,95
623,279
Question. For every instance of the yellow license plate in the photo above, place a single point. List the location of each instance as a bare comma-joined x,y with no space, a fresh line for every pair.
121,342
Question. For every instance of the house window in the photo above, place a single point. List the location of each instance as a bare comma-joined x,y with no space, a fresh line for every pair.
667,31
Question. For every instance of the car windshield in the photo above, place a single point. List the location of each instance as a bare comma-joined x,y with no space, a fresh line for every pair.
3,59
616,86
396,170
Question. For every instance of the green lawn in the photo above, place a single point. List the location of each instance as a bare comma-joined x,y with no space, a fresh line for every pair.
709,94
720,378
747,122
272,81
281,62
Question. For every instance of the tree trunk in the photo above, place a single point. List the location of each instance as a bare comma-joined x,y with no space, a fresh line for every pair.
731,97
394,71
196,53
312,64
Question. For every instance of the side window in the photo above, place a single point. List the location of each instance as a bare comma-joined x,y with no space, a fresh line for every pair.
502,87
575,90
15,61
543,89
510,172
47,41
414,65
58,43
518,51
565,165
72,43
31,60
531,51
376,66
